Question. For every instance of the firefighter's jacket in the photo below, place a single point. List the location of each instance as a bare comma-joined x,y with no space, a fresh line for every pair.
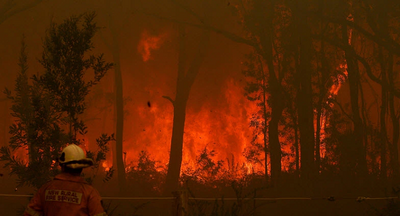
65,195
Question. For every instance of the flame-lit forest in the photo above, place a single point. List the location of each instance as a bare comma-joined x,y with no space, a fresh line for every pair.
240,99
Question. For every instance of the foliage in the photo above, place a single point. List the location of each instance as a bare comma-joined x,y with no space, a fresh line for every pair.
53,101
65,48
257,91
205,170
333,132
35,130
100,156
147,175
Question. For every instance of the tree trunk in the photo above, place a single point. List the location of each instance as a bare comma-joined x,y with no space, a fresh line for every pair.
273,135
183,86
119,108
323,91
394,151
384,106
305,106
265,128
120,124
383,140
354,83
367,141
175,158
276,97
383,20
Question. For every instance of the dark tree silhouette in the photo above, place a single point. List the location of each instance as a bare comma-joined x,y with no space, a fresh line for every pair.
305,101
354,84
114,47
185,80
258,17
35,128
256,91
54,101
63,60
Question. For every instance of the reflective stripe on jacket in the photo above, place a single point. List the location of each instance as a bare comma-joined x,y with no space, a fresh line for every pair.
65,195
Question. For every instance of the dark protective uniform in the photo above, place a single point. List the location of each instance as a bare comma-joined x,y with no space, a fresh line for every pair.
66,195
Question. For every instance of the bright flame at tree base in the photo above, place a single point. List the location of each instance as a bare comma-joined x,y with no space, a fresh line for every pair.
216,135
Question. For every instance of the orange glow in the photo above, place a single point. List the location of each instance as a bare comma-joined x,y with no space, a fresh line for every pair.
225,130
149,43
22,155
105,166
333,91
222,126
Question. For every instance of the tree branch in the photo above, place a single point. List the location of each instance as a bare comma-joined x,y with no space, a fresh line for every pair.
9,13
170,99
342,109
347,48
226,34
190,11
389,44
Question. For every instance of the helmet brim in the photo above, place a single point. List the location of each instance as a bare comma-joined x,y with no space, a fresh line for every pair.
77,164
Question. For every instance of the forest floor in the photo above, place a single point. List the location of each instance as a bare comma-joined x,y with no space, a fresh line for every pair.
345,201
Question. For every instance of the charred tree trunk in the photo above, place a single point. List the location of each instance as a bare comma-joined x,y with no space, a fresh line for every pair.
383,21
367,141
378,22
305,106
175,158
276,96
394,151
273,131
354,83
323,92
184,84
265,128
383,140
384,107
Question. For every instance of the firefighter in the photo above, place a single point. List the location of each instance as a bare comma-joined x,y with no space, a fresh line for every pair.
68,193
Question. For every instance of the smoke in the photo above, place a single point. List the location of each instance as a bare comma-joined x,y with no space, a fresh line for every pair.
148,43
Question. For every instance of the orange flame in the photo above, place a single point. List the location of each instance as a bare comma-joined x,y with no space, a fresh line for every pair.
221,125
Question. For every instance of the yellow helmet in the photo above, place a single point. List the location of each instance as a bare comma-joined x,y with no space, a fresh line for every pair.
74,157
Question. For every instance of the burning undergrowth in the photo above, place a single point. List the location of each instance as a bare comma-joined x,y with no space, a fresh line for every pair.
148,175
